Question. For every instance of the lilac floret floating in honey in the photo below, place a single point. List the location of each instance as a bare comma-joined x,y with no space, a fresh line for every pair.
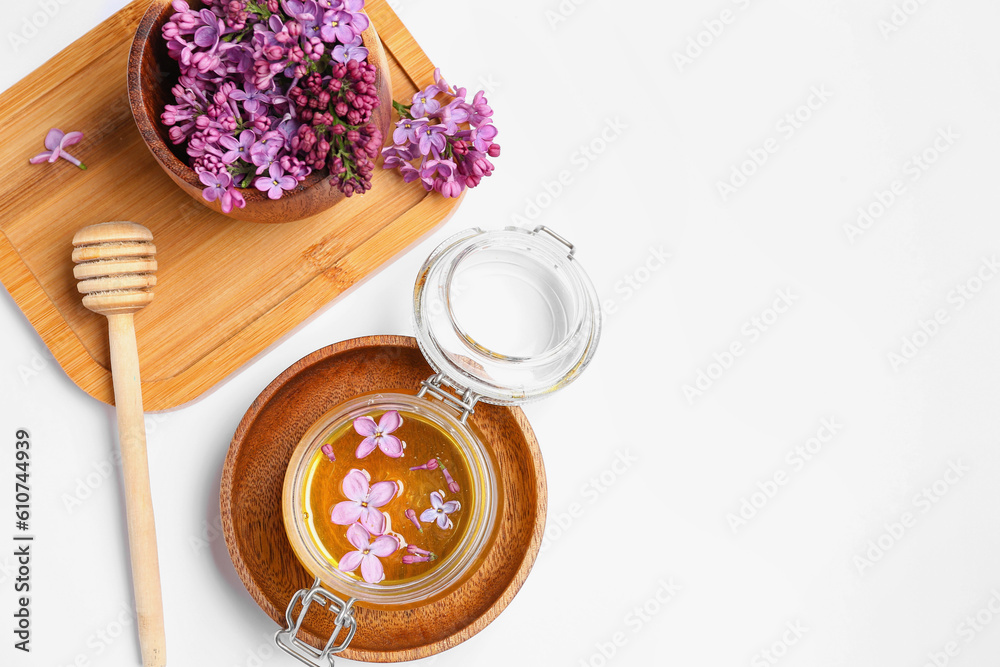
367,554
415,554
430,465
364,502
379,435
439,510
412,516
452,484
376,496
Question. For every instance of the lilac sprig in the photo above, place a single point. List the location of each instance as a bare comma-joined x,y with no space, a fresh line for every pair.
444,143
234,108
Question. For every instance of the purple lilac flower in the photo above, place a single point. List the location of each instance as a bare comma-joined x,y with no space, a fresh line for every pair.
367,553
431,138
379,435
287,128
309,17
398,158
342,53
294,167
260,123
341,26
251,98
452,484
271,142
220,186
313,49
237,149
447,147
424,103
481,110
263,159
483,137
445,87
239,59
215,184
56,141
275,182
208,35
242,104
414,549
281,105
439,510
452,115
300,10
415,554
410,559
440,175
364,501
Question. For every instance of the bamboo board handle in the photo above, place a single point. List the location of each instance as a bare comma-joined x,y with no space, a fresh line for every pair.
138,500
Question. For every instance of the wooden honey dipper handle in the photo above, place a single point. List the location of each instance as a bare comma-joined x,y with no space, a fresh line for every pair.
138,500
115,264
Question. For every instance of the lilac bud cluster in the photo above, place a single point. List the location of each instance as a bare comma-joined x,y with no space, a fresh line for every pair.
336,132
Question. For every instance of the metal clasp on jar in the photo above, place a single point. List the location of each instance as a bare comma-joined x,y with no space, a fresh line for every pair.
557,237
288,641
463,400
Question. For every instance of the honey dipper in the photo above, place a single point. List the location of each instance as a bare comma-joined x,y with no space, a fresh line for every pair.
115,264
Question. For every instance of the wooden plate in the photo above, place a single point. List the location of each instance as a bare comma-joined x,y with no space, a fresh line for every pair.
251,501
226,289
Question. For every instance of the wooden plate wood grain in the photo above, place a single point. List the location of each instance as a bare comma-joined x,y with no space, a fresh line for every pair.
254,473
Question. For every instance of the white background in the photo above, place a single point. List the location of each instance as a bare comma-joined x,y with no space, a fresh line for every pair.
808,556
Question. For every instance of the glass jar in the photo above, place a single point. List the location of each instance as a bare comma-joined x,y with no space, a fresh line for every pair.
503,317
482,489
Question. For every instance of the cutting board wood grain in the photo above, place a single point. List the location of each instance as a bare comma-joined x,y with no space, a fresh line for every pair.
226,289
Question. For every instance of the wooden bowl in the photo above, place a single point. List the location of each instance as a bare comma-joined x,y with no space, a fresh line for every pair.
254,474
151,75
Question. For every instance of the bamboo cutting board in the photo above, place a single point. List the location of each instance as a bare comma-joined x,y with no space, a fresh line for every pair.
227,289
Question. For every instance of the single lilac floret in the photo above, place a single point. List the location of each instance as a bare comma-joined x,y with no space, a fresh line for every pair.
379,435
367,554
343,53
251,98
56,142
439,510
364,501
237,149
275,182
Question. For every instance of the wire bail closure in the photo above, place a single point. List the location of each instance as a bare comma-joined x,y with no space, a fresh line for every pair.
464,400
557,237
288,641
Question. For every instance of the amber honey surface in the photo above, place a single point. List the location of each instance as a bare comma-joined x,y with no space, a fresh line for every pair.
414,495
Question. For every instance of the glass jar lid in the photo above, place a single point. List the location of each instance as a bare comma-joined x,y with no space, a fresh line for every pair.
506,316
